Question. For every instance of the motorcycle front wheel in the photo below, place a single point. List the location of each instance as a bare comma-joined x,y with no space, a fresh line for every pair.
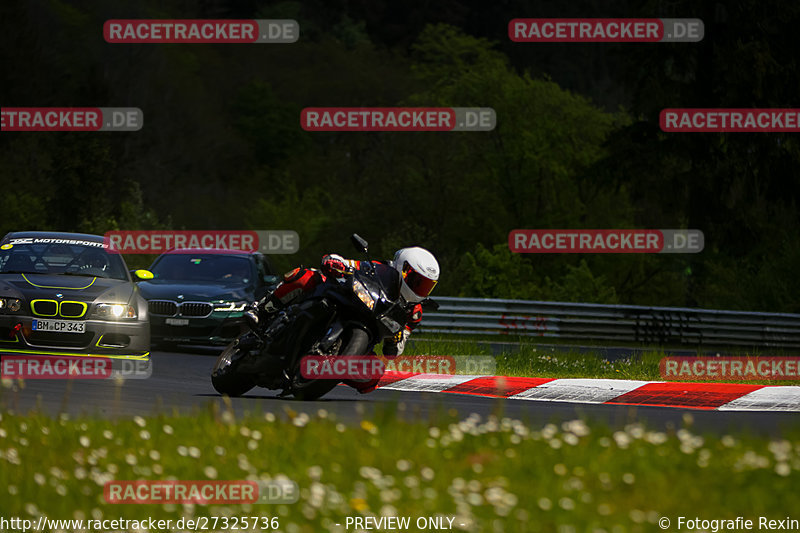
224,377
303,389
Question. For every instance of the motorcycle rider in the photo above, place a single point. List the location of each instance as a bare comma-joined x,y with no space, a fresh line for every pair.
419,273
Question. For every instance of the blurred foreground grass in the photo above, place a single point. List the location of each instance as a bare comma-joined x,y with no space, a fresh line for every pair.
493,475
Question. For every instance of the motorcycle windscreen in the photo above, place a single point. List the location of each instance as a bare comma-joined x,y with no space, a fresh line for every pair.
390,278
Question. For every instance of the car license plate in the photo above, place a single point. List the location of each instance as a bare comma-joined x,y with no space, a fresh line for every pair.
60,326
177,321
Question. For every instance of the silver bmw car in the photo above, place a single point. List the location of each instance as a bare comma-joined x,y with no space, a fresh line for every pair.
67,294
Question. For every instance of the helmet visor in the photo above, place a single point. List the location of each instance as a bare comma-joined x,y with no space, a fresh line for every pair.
417,282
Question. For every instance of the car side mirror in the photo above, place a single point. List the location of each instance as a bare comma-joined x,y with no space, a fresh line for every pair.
360,244
142,274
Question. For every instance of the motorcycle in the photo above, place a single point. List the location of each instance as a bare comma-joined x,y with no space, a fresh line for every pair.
346,316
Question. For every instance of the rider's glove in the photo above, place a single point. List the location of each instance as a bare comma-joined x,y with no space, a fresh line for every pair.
333,264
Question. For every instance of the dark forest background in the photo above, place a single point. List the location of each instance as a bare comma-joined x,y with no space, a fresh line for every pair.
577,143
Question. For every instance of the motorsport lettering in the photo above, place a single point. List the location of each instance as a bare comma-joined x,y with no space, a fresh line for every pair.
31,240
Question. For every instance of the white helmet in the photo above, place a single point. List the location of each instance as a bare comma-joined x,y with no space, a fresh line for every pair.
419,272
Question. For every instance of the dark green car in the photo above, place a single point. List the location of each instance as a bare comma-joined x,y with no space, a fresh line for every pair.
197,296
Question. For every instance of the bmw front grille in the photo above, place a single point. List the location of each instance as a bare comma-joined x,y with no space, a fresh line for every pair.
195,309
53,308
162,307
185,309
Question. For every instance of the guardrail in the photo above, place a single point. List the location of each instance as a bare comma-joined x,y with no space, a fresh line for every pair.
620,323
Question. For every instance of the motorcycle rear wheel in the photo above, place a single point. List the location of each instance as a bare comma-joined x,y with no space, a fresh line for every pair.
309,390
225,378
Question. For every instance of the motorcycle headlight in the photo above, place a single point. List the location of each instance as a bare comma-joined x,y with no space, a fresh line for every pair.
230,306
114,311
363,294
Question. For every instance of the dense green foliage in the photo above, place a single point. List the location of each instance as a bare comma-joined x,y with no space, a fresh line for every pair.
577,143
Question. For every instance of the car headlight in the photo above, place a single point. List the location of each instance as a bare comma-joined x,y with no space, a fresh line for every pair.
10,304
230,306
363,294
114,311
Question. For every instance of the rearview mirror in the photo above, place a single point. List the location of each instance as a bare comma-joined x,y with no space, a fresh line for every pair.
143,274
429,305
360,244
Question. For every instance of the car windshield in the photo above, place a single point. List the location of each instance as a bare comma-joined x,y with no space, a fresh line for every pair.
204,268
61,257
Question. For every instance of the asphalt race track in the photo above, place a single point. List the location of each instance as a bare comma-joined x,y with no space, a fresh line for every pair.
180,381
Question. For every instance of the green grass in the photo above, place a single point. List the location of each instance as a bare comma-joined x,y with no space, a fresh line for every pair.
495,474
528,360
